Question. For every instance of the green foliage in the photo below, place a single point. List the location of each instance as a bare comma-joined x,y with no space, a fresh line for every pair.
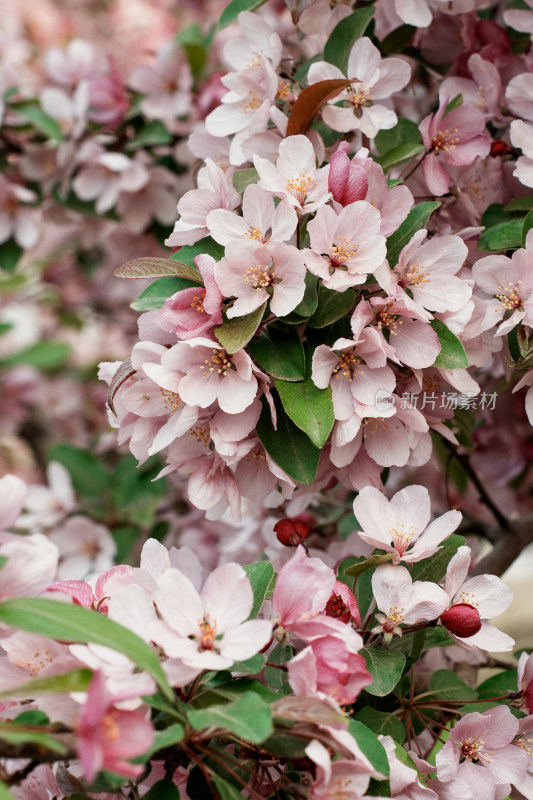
455,102
10,253
260,575
155,295
158,268
89,476
307,306
251,666
72,623
152,134
244,177
33,113
188,253
381,723
196,45
368,563
277,678
370,745
433,568
385,666
331,306
280,353
77,680
288,445
344,36
45,355
503,236
526,227
498,685
233,9
162,790
309,407
452,353
398,39
404,132
234,334
400,154
166,737
446,685
249,717
416,220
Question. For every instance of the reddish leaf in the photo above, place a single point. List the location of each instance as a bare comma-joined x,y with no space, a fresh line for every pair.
311,101
122,374
157,268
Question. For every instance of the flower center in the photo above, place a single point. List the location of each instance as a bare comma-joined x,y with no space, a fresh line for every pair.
109,726
340,253
172,401
510,296
208,633
386,319
445,141
348,366
401,538
219,362
300,186
472,750
198,304
336,607
358,95
253,233
251,104
414,276
260,276
395,618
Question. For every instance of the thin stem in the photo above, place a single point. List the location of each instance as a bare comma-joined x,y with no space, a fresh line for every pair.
231,771
411,171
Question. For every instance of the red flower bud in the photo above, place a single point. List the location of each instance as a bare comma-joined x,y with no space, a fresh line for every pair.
462,620
500,149
336,607
291,532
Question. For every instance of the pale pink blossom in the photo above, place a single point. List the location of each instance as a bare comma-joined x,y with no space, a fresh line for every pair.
303,588
522,137
403,780
261,220
208,629
509,281
487,594
482,91
403,601
156,199
104,176
519,96
521,19
13,494
84,547
166,85
345,247
254,273
401,526
295,174
373,79
79,60
108,736
195,311
19,218
258,41
342,775
31,561
480,753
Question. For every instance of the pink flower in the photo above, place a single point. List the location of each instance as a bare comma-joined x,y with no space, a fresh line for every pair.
347,179
262,221
255,273
480,753
13,492
341,777
373,79
17,219
303,588
295,175
400,525
525,680
404,602
329,667
195,311
208,629
510,282
106,175
522,137
459,137
345,247
166,85
107,736
31,564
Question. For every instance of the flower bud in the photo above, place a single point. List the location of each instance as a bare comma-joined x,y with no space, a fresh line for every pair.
291,532
462,620
499,148
347,180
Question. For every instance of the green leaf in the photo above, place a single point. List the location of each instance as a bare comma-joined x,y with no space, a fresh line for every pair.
433,568
157,268
226,790
400,154
151,135
455,102
344,36
162,790
452,353
504,236
5,794
71,623
244,177
3,560
77,680
10,253
399,38
381,723
31,112
234,334
19,735
249,717
232,11
416,220
136,495
332,306
307,306
370,745
196,45
372,561
188,253
446,685
33,717
155,295
44,355
251,666
404,131
260,575
280,353
385,666
89,476
520,204
526,227
309,407
288,446
163,739
498,685
277,678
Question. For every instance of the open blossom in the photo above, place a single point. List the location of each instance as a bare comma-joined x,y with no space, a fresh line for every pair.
262,221
480,752
208,629
487,594
303,587
195,311
373,79
401,525
404,602
457,137
108,736
345,247
522,137
295,174
104,176
166,85
510,282
254,273
342,777
18,219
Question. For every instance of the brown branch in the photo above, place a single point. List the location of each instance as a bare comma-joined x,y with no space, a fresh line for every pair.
509,543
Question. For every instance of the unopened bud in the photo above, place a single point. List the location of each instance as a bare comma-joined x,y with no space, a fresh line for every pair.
291,532
462,620
499,148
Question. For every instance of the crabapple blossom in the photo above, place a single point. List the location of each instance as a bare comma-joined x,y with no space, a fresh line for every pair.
347,180
345,247
351,777
261,220
208,629
303,587
18,218
404,601
105,175
194,312
295,175
329,668
166,86
401,525
525,680
373,79
522,136
254,273
508,281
